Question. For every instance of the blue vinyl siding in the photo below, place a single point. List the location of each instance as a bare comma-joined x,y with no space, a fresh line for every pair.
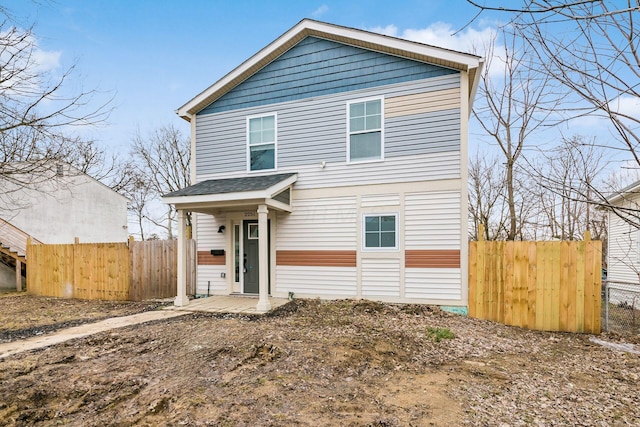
316,67
314,130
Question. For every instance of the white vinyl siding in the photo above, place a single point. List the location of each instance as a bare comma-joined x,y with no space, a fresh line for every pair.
208,276
380,278
433,283
328,282
319,224
623,251
375,200
432,220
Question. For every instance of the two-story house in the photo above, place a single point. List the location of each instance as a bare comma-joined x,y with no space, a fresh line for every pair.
333,164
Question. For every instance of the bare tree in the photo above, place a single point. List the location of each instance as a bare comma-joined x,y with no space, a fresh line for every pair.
38,114
163,159
510,108
592,48
131,183
487,199
567,177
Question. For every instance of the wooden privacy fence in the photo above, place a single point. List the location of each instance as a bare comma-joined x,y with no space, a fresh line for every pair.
549,286
107,271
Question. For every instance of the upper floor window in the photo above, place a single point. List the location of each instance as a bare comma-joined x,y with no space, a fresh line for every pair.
365,139
261,142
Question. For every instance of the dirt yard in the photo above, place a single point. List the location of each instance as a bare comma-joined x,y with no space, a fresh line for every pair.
340,363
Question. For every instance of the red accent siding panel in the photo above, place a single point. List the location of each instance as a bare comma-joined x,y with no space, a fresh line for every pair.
317,258
205,258
428,258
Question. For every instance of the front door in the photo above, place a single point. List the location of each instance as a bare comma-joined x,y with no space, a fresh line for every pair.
251,256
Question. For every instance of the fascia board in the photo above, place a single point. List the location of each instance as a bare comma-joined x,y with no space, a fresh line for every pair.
466,60
213,198
475,83
616,197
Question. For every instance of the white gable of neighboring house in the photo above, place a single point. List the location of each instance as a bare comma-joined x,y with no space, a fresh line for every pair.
624,237
67,206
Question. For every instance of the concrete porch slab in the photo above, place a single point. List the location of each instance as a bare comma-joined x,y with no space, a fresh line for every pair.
239,304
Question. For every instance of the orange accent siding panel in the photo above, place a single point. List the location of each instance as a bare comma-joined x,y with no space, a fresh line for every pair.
205,258
317,258
427,258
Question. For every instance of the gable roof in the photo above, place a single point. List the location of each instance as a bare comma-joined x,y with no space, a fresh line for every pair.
250,190
231,185
629,191
351,36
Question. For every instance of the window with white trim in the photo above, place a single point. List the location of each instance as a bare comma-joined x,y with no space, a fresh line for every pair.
380,231
365,133
261,142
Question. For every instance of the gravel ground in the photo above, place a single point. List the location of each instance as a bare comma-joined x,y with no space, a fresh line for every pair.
315,363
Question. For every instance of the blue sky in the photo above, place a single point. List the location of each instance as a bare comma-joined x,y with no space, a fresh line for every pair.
154,56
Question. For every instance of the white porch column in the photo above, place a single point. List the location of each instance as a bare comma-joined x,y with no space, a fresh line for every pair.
263,256
182,299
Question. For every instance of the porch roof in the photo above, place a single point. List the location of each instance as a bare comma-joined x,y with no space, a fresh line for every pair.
233,192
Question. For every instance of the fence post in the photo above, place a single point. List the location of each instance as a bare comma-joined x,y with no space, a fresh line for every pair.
606,309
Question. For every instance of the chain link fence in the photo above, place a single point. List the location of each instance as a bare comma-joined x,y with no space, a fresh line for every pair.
621,307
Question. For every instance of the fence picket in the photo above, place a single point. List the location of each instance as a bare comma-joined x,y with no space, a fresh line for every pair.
107,271
537,285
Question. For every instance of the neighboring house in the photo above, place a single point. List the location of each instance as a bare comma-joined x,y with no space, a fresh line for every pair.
623,252
65,205
332,164
70,204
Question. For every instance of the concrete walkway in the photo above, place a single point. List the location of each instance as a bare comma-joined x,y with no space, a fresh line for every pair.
214,304
238,304
34,343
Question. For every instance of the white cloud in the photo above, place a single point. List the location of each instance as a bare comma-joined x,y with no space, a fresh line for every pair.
389,30
46,60
320,11
626,105
442,34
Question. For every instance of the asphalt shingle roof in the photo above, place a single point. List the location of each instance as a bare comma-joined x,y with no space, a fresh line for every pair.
231,185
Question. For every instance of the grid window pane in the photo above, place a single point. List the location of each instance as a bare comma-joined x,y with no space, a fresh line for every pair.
268,122
255,125
268,135
388,239
357,124
255,137
373,107
373,122
388,223
372,223
356,110
372,240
